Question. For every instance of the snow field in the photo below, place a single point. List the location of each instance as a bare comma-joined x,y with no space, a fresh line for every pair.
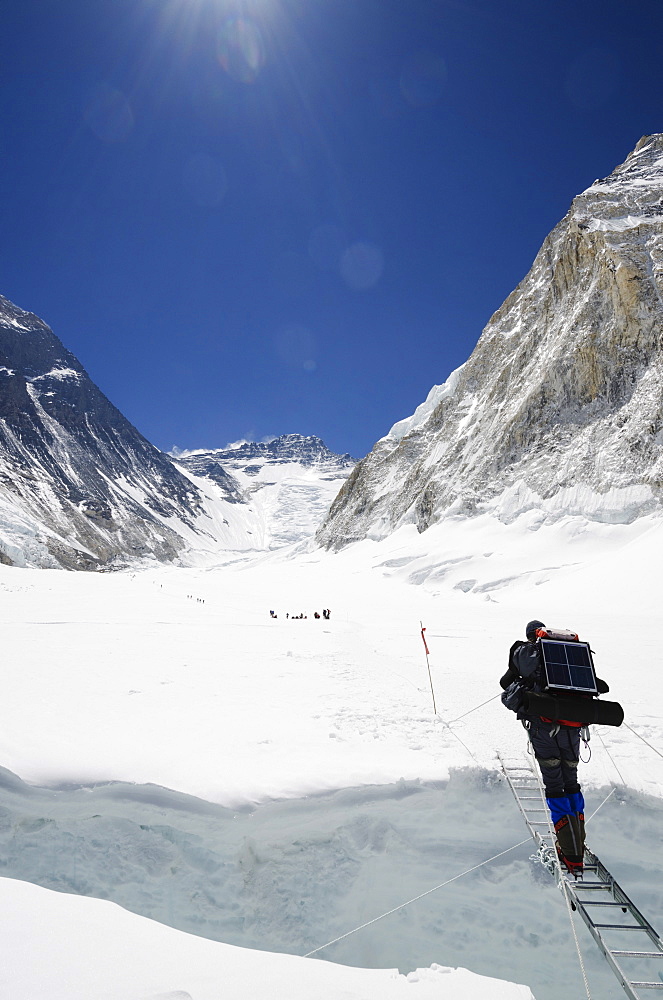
138,680
320,740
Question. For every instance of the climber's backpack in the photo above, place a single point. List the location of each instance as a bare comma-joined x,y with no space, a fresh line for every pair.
557,681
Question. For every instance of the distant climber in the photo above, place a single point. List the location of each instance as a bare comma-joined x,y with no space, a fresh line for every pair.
555,741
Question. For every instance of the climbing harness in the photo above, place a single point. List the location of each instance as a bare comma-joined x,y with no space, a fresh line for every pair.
585,737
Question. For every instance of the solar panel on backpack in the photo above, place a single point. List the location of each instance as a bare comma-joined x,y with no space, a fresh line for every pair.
568,666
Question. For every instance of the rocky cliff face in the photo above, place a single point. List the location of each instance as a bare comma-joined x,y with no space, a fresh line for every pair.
560,407
79,486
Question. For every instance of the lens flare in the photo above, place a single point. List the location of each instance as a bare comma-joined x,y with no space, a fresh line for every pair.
108,114
240,49
362,265
295,344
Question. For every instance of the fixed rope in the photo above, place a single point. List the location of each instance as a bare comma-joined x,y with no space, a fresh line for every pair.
610,793
643,740
476,707
621,776
414,899
469,712
448,725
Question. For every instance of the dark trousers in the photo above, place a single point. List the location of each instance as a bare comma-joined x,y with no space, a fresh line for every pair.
557,756
557,750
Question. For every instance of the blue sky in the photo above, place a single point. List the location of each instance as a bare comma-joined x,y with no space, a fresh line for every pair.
255,217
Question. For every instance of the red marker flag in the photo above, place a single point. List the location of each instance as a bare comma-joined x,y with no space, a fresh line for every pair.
423,639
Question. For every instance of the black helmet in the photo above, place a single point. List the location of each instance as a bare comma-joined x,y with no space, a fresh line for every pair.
531,627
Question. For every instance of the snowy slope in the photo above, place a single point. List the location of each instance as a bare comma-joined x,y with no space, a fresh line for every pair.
327,791
68,948
559,408
130,659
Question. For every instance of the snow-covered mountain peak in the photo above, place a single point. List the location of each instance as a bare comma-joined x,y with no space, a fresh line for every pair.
559,410
630,197
13,316
79,486
307,450
285,485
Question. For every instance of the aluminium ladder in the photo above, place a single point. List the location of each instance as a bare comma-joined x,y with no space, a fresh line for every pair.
612,918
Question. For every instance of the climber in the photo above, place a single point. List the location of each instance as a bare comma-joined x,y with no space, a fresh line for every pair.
556,747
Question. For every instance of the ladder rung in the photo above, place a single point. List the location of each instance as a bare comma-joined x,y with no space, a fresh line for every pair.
601,902
636,954
623,927
647,986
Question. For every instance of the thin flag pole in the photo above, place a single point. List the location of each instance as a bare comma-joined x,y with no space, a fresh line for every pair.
423,639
